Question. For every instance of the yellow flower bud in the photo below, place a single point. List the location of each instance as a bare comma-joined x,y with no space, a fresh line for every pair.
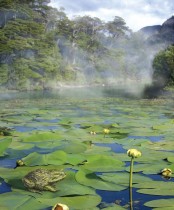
20,163
92,132
134,153
60,206
106,131
166,172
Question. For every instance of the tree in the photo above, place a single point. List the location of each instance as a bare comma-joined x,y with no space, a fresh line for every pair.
117,27
6,3
85,32
163,65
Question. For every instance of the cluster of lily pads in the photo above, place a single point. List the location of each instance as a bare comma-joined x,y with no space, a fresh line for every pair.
68,135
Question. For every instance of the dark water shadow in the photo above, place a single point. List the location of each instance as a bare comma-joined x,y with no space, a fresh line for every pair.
4,187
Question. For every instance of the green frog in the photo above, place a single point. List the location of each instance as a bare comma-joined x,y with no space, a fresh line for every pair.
43,180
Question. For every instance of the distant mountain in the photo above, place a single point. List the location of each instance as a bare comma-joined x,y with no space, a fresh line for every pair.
150,30
159,33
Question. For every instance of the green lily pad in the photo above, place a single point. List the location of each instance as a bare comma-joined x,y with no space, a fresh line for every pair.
122,178
73,147
45,136
54,158
168,126
5,142
103,163
75,159
89,178
155,188
170,159
69,186
16,145
161,204
13,200
76,202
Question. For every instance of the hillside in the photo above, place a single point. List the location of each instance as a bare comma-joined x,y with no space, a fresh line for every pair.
41,48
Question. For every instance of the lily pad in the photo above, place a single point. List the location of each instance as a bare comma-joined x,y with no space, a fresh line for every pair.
13,200
89,178
155,188
76,202
45,136
160,204
122,178
73,147
54,158
4,145
70,186
103,163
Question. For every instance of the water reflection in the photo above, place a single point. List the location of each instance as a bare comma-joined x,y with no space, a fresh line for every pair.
73,93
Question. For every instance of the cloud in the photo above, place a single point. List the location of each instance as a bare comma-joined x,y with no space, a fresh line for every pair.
136,13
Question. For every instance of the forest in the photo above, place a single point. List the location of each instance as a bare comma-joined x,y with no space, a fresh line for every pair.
41,48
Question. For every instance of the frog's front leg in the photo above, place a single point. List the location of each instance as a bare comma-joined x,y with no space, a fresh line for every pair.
50,188
34,190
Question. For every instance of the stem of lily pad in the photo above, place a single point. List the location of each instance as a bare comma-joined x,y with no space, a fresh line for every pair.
131,172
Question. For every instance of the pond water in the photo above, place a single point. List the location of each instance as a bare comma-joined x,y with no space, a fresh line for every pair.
64,129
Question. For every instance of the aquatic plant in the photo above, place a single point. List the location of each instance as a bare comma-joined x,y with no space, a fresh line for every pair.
50,135
166,173
60,206
106,131
133,153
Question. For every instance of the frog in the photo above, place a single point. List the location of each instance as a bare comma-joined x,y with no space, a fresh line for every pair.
43,179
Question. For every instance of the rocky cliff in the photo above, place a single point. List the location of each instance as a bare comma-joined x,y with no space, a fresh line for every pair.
159,33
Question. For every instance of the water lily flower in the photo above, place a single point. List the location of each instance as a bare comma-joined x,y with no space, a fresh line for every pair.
60,206
106,131
134,153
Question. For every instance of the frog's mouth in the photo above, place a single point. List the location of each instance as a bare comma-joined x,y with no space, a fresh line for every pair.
27,183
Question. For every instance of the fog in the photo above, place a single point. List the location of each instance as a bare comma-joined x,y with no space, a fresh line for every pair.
129,68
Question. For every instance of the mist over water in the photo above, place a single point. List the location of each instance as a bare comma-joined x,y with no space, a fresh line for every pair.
129,68
77,93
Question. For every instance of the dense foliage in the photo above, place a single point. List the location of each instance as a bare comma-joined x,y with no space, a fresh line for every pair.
163,65
41,48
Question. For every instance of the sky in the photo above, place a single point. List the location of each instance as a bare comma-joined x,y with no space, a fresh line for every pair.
136,13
